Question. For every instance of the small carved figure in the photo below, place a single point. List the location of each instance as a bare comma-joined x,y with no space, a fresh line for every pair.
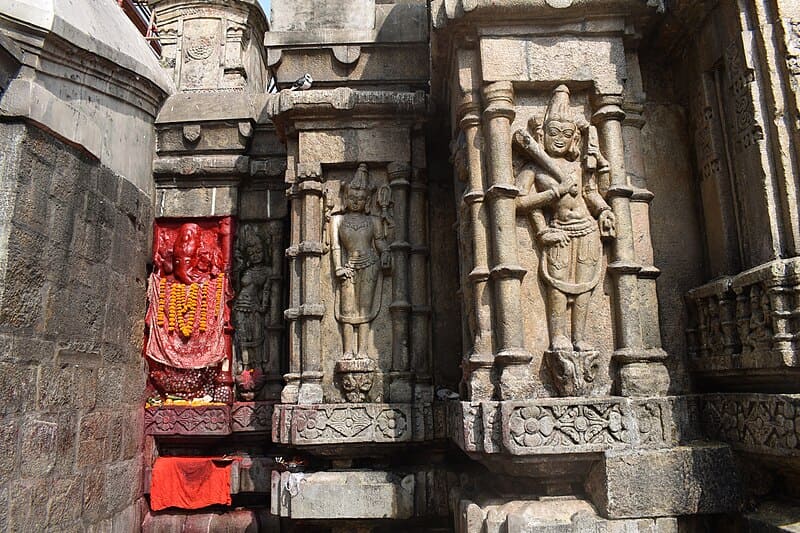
360,253
252,303
568,214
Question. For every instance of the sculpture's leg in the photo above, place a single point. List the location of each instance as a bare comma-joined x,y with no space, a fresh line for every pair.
580,309
363,335
347,340
557,319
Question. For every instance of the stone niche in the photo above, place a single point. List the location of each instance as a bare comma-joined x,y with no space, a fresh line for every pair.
358,316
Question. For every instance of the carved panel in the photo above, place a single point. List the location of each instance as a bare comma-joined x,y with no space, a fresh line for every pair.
257,306
346,423
745,321
760,423
746,129
561,427
187,420
253,417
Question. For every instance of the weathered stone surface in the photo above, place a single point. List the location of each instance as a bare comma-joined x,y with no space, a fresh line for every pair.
346,494
686,480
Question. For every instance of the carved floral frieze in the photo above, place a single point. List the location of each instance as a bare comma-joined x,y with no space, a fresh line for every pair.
333,424
187,420
553,426
762,423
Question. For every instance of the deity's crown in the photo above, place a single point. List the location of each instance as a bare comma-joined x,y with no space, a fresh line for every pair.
360,181
558,108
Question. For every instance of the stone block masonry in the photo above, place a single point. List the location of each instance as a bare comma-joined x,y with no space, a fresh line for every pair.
75,243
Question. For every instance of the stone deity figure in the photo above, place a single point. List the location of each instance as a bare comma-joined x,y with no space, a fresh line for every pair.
569,215
359,247
252,303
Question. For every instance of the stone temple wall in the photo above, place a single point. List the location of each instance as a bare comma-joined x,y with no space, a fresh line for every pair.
373,265
75,233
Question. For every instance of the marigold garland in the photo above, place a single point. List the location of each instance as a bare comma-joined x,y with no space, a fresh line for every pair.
181,303
203,307
162,298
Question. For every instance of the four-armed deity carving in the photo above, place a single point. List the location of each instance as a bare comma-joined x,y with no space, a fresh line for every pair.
559,193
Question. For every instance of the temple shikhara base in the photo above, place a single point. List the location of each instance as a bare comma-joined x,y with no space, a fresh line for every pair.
468,266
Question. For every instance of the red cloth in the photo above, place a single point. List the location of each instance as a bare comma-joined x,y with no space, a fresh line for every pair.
190,483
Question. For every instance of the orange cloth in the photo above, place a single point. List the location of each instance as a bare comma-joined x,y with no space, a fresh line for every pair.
190,483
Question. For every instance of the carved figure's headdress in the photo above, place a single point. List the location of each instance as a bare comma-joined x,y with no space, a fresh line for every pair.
360,181
558,108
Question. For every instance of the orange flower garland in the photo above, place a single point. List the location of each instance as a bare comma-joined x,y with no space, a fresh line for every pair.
162,298
181,302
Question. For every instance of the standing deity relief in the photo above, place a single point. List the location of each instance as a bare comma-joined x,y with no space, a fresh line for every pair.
359,227
558,181
254,277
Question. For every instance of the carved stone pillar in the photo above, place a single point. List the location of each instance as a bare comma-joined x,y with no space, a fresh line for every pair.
294,327
306,277
479,360
400,389
506,273
418,271
640,216
642,371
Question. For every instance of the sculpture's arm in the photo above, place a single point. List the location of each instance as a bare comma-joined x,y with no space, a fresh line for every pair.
530,198
594,201
336,247
381,242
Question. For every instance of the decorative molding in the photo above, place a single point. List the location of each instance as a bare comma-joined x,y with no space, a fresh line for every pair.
561,425
187,420
300,425
758,423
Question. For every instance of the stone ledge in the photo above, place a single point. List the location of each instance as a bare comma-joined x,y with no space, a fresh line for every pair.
333,424
357,494
208,420
766,424
548,426
686,480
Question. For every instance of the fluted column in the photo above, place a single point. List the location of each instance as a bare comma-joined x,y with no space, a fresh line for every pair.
478,361
642,371
400,389
506,274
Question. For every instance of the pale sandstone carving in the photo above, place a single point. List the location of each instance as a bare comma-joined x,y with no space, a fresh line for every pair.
360,253
570,217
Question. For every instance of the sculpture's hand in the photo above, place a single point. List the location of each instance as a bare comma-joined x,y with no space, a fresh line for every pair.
344,273
553,237
608,224
569,186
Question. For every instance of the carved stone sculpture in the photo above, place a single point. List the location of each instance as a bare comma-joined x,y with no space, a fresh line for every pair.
560,195
360,253
188,345
251,306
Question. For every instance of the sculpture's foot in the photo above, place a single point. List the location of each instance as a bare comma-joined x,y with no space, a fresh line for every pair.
583,346
560,343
